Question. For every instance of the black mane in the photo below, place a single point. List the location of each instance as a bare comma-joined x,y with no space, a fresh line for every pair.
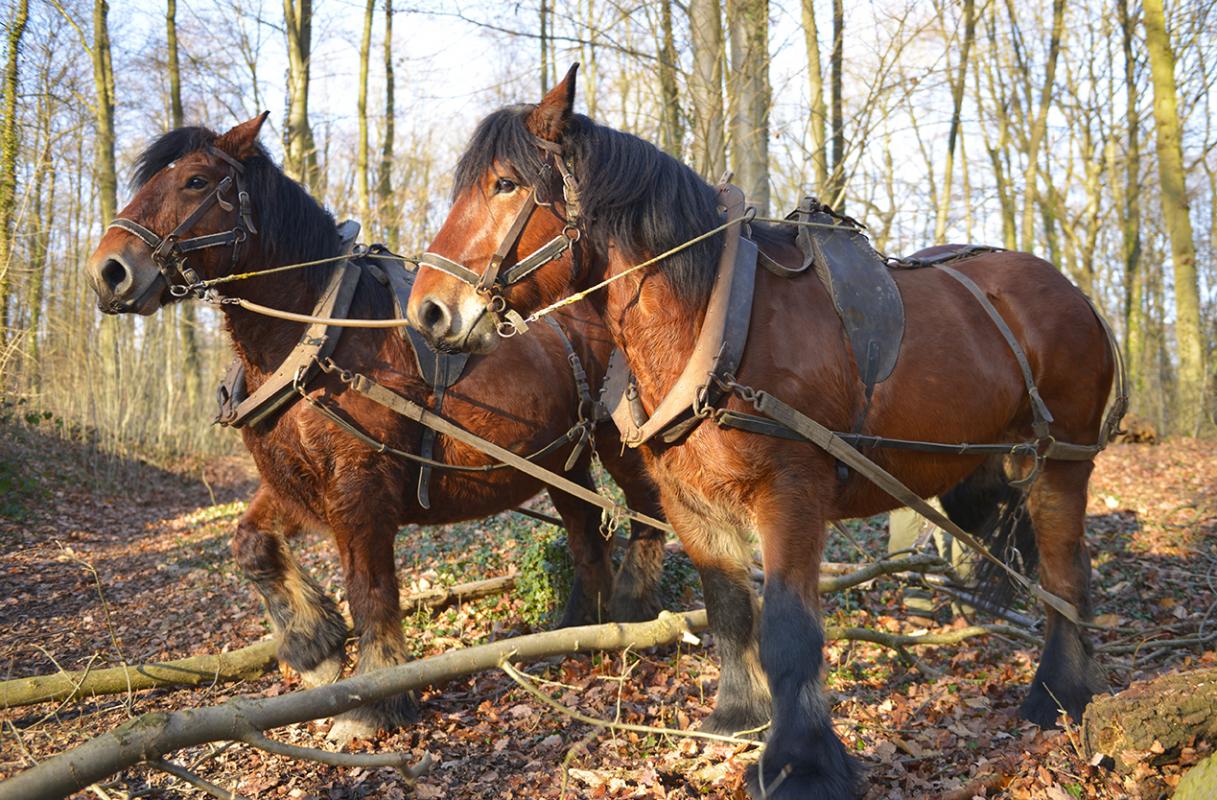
292,226
633,194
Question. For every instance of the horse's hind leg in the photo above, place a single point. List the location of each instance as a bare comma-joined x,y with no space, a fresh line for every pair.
590,552
310,628
636,592
1067,676
365,545
803,757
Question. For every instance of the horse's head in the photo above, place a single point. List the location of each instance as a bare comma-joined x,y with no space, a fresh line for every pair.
187,222
510,243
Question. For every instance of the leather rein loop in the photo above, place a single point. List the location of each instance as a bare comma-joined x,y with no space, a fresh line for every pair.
491,283
169,252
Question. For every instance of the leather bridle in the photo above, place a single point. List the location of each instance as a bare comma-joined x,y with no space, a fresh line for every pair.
169,252
492,282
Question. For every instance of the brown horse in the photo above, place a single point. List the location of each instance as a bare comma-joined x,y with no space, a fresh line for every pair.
315,475
955,381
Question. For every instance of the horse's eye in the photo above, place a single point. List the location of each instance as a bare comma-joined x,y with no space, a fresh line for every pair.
197,182
504,186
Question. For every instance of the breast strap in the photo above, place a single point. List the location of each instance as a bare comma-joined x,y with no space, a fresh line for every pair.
718,350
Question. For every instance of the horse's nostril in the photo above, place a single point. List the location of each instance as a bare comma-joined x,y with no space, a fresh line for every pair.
434,316
113,273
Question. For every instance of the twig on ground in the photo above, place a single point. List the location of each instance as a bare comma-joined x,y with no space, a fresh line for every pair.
523,681
105,608
185,775
398,761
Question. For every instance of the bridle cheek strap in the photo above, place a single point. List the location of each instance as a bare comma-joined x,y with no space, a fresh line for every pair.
495,278
169,252
491,283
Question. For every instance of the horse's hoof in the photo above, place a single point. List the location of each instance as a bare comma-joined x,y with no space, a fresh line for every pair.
740,722
324,673
841,781
345,730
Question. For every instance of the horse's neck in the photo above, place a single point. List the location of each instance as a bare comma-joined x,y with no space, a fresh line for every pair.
263,343
654,330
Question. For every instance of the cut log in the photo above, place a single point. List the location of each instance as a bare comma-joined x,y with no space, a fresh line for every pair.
1150,721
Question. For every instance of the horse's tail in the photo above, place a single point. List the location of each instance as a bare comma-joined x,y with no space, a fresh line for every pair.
987,506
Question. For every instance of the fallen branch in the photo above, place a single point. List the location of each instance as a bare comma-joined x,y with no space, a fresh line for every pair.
247,663
255,660
155,735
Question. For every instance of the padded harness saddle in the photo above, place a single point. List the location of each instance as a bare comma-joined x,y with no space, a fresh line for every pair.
868,302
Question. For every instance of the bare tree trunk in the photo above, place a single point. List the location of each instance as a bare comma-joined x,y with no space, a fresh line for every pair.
8,156
386,208
103,83
1039,126
749,28
944,205
1189,399
176,115
818,114
362,180
1130,212
706,86
836,195
588,57
545,34
672,131
187,317
44,211
299,147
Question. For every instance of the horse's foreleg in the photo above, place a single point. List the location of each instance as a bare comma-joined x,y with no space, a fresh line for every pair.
803,757
636,593
365,546
1067,676
723,558
310,628
590,551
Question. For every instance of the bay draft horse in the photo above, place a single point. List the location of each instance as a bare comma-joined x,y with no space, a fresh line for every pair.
956,381
316,476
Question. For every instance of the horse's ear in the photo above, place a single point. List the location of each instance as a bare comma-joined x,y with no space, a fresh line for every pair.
241,142
548,120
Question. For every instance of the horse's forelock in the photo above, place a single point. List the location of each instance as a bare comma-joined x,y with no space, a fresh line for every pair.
501,137
633,194
168,148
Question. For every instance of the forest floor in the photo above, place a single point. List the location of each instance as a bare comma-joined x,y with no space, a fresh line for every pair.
104,560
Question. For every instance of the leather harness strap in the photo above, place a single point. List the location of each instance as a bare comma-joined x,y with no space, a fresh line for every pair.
1042,417
411,410
438,370
832,444
169,252
317,342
